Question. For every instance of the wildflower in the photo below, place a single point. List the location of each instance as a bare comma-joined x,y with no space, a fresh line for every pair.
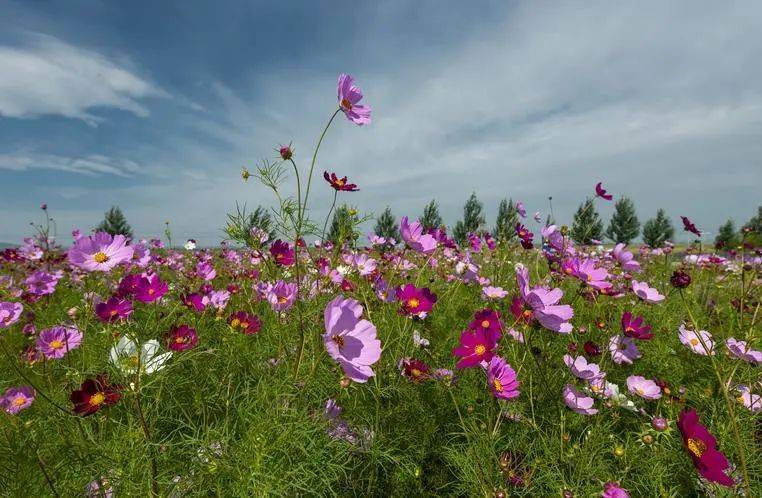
282,295
525,236
205,271
612,490
688,226
150,288
350,340
623,350
419,340
282,253
412,234
190,245
625,258
587,272
349,95
114,309
42,283
502,379
581,369
635,327
94,394
493,292
476,346
124,355
99,252
680,279
601,192
699,342
645,388
748,399
193,301
579,402
339,184
286,152
646,293
55,342
414,301
246,323
182,338
16,399
521,210
217,299
540,304
9,313
702,448
414,369
487,320
742,350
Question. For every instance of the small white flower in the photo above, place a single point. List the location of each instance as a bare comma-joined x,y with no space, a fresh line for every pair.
124,356
343,270
419,341
190,245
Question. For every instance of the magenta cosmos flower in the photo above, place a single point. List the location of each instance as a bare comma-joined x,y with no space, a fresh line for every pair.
114,309
412,234
55,342
350,340
476,346
702,448
502,379
688,226
612,490
9,313
541,304
646,293
578,401
742,350
601,192
182,338
282,295
150,288
414,301
16,399
645,388
339,184
349,95
282,253
100,252
635,327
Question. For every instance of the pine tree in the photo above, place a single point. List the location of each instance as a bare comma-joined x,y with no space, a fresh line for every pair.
726,236
624,225
473,219
505,225
115,223
343,226
587,225
386,225
753,229
657,231
431,219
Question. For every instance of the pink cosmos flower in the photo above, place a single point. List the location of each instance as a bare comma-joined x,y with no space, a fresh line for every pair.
16,399
623,350
502,379
414,301
751,401
625,258
635,327
581,369
578,401
282,295
601,192
56,341
42,283
612,490
364,264
205,271
646,293
99,252
702,448
476,346
150,288
412,234
521,210
587,272
114,309
349,95
738,349
9,313
350,340
489,292
645,388
693,340
542,305
282,253
182,338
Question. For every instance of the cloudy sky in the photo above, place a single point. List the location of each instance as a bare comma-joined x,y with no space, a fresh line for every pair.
156,106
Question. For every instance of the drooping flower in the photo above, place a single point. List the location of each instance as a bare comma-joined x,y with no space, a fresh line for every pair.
702,448
646,293
114,309
9,313
635,327
412,234
282,295
339,184
623,350
349,95
94,394
645,388
625,258
540,304
99,252
56,341
680,279
502,379
476,346
150,288
246,323
182,338
16,399
578,401
743,351
699,342
350,340
581,369
414,301
601,192
688,226
282,253
124,355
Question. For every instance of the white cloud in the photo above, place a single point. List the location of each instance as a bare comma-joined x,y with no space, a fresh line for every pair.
91,165
46,76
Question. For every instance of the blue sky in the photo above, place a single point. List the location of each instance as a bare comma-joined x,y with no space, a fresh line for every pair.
156,108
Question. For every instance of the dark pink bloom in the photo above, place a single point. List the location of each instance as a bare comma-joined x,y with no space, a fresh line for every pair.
702,448
688,226
339,184
182,338
150,288
487,320
476,346
193,301
601,192
415,369
282,253
502,379
414,301
246,323
349,95
525,236
114,309
635,327
613,490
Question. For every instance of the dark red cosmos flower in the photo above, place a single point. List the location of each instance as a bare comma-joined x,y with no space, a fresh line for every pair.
114,309
182,338
193,301
246,323
525,235
635,327
282,253
487,320
339,184
688,226
415,369
94,394
601,192
521,311
591,348
702,448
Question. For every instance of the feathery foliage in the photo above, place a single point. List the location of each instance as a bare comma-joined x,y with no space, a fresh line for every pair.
624,225
587,225
659,230
473,219
431,218
115,223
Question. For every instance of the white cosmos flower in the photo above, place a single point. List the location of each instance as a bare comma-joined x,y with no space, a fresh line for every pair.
190,245
124,356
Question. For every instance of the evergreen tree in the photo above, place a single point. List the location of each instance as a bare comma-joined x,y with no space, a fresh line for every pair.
386,225
753,229
115,223
657,231
431,218
343,226
726,237
587,225
241,226
473,219
624,225
505,225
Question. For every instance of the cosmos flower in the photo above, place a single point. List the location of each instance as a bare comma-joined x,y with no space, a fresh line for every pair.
9,313
150,288
612,490
124,355
42,283
742,350
193,301
94,394
581,369
541,304
489,292
635,327
349,95
487,320
525,236
350,340
16,399
623,350
702,448
99,252
282,253
282,295
412,234
414,301
246,323
476,346
646,293
693,340
645,388
502,379
578,401
114,309
625,258
415,369
182,338
521,210
419,340
748,399
56,341
587,272
601,192
688,226
190,245
339,184
205,271
365,265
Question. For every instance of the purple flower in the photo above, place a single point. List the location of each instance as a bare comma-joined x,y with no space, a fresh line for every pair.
16,399
350,340
114,309
699,342
150,288
612,490
587,272
100,252
751,401
332,409
646,293
581,369
412,234
42,283
502,379
601,192
205,271
521,209
625,258
476,346
623,350
738,349
635,327
9,313
349,95
55,342
579,402
282,295
645,388
543,305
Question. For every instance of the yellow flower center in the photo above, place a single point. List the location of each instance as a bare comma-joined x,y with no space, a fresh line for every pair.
497,385
100,257
485,324
527,313
282,300
235,322
56,344
696,446
340,182
413,303
415,372
694,342
480,349
20,400
97,399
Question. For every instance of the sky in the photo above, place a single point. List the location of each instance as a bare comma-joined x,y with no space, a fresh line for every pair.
156,107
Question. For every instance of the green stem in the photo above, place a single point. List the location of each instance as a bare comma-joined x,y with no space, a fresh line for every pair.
328,216
314,158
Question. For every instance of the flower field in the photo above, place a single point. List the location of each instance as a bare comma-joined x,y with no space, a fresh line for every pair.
287,364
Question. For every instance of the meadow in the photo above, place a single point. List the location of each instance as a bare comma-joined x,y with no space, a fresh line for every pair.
290,363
